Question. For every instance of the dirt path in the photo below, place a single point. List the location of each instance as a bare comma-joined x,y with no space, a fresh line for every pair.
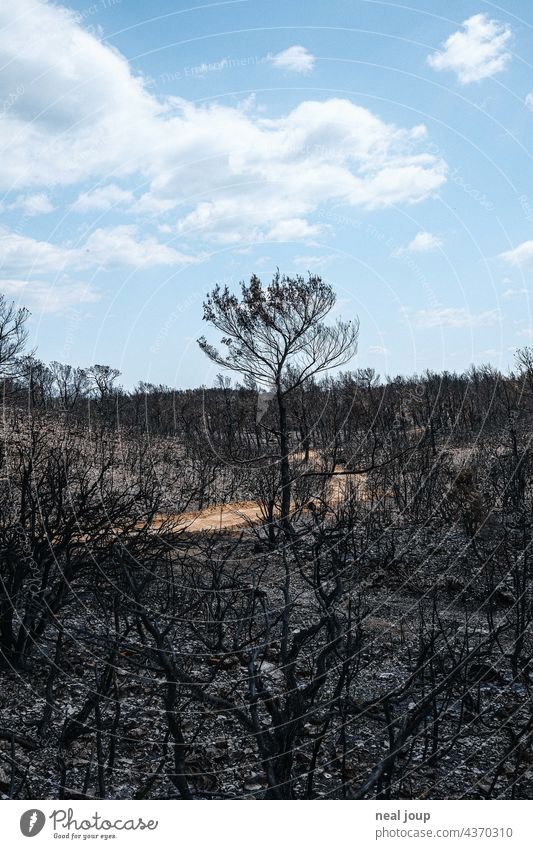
238,514
220,517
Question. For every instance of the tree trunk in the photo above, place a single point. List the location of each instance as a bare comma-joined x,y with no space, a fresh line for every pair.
285,470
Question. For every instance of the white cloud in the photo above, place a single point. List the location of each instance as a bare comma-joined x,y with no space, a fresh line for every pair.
422,242
81,113
103,198
20,255
36,204
526,333
295,58
529,100
250,173
521,256
58,298
378,349
113,247
453,317
121,247
310,262
476,52
511,293
491,352
233,173
289,229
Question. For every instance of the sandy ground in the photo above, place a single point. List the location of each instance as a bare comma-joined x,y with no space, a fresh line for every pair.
220,517
239,514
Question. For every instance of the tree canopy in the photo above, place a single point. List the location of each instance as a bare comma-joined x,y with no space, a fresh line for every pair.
275,334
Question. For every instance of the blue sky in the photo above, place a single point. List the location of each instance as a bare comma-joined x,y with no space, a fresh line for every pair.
149,151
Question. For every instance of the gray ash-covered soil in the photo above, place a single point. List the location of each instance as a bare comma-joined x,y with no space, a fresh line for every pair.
474,742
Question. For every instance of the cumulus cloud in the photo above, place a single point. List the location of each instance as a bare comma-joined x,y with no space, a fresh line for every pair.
123,247
251,173
233,173
475,52
521,256
529,100
293,229
296,58
452,317
310,262
82,112
422,243
113,247
526,333
34,204
102,199
58,297
20,255
512,293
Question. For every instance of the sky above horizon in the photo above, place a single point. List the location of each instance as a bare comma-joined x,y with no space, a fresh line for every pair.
151,151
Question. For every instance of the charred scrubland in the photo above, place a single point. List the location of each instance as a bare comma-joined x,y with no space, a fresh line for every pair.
307,581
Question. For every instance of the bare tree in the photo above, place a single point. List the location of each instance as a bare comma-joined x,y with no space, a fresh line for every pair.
69,382
13,335
276,335
102,379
